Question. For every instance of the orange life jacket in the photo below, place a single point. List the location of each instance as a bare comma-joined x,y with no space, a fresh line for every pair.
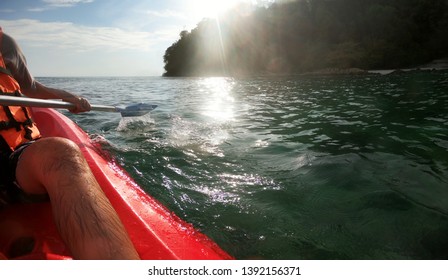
16,125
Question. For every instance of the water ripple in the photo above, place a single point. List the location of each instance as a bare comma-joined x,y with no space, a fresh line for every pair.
291,167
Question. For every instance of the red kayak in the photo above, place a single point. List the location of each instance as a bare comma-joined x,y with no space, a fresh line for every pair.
27,231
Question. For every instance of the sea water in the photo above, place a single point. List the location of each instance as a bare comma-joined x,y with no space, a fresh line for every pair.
347,167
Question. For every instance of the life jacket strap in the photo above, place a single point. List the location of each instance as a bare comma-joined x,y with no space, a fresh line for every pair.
11,118
12,122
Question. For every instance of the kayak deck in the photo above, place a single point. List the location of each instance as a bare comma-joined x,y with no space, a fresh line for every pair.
28,231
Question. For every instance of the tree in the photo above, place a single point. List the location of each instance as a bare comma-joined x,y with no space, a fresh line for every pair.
305,35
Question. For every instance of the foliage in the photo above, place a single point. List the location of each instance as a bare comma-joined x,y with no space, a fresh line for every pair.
306,35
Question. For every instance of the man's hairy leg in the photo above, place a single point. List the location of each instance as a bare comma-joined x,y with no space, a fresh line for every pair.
84,216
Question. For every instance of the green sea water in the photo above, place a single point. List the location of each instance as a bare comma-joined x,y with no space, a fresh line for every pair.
349,167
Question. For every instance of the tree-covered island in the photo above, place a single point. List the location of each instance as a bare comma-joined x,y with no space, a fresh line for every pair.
298,36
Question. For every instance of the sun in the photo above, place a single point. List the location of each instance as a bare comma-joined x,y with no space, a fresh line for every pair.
211,8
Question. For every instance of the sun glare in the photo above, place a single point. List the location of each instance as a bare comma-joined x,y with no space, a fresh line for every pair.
211,8
220,104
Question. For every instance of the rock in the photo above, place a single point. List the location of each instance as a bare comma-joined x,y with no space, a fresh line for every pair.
337,71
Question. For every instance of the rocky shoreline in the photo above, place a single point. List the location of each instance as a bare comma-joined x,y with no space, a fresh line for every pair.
435,65
438,64
336,72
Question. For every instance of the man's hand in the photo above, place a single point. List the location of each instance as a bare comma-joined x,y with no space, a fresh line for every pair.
81,104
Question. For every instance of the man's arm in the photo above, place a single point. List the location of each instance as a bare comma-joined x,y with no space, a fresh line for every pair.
41,91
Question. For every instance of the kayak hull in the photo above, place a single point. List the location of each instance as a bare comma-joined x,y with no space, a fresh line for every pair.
28,231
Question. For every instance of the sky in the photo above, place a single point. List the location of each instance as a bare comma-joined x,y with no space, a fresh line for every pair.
102,37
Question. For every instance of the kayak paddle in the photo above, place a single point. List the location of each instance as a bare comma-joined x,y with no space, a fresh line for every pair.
133,110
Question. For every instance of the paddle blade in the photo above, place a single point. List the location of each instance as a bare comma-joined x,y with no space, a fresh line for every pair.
136,110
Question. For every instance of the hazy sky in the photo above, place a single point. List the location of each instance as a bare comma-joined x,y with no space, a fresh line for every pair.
101,37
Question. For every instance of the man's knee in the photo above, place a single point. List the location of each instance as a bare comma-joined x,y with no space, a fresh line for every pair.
61,155
50,159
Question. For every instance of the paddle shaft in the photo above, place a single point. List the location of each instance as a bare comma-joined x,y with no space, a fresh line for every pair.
47,103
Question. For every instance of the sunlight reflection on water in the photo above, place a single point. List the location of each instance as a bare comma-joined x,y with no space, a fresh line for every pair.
220,104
